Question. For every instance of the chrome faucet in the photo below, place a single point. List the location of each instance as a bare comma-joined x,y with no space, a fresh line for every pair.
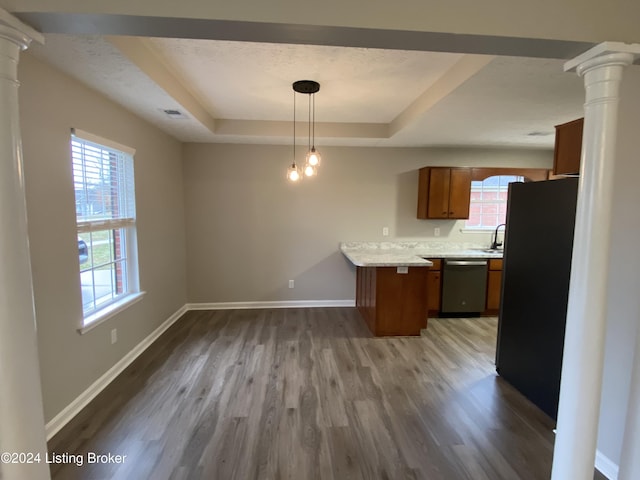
495,244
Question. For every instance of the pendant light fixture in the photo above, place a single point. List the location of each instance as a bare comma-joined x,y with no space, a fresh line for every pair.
313,157
293,172
308,87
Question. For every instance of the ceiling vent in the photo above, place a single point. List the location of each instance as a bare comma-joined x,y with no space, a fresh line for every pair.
175,114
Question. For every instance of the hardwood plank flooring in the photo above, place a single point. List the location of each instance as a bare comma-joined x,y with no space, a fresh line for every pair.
308,394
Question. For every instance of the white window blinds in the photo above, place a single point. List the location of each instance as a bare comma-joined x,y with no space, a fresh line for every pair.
103,183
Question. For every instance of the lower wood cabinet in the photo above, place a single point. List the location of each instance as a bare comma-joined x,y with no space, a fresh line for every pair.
494,286
393,303
434,287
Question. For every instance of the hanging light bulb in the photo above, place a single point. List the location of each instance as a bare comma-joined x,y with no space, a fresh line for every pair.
313,157
309,170
293,173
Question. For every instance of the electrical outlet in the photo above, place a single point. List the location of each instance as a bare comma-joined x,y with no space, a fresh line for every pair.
436,232
385,231
114,336
291,284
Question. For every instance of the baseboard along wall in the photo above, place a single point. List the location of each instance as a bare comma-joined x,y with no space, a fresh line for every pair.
66,415
71,410
607,467
277,304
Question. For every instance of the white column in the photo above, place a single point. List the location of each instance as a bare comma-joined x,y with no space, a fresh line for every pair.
630,460
21,414
577,427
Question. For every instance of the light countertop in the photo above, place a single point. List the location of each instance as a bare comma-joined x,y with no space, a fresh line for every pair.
410,254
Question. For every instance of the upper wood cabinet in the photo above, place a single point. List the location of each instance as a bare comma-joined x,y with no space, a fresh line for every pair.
566,156
444,192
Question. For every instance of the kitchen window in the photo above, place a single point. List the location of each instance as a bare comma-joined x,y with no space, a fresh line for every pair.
103,180
488,207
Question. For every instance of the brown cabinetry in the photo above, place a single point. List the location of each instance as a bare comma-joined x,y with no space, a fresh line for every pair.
392,303
434,284
566,155
444,192
494,286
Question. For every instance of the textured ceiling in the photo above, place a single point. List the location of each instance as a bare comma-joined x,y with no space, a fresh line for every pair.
513,101
252,81
98,64
240,92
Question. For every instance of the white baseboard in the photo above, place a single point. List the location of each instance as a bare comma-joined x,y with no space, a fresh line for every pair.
606,467
277,304
71,410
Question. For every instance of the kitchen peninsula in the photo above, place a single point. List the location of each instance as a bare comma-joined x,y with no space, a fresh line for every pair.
394,279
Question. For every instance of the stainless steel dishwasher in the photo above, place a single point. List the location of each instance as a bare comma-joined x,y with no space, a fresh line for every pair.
464,285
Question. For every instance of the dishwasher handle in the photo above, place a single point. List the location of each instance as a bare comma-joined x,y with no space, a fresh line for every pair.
466,263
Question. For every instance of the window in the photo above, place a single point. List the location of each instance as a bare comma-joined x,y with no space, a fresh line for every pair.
106,223
488,207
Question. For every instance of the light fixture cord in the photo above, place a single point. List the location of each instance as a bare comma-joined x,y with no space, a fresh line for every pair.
294,127
313,144
309,125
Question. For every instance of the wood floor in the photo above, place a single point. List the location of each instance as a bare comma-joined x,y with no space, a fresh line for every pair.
307,394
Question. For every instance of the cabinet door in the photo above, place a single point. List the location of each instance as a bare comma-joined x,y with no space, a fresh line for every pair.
400,307
438,198
494,286
459,193
566,155
433,290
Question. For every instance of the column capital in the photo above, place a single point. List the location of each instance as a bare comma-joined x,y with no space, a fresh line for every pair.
14,30
14,36
613,53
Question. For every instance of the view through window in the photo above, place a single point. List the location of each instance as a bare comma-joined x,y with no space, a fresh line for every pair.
105,215
488,207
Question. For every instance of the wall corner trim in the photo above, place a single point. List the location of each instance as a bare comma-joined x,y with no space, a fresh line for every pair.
61,419
606,466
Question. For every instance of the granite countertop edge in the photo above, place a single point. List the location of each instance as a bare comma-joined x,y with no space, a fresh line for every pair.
410,254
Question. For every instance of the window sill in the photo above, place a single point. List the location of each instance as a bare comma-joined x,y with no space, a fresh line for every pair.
106,313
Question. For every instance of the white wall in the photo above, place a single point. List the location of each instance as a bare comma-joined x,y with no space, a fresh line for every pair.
249,231
50,105
623,314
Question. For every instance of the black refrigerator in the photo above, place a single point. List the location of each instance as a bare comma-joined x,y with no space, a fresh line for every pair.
535,288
